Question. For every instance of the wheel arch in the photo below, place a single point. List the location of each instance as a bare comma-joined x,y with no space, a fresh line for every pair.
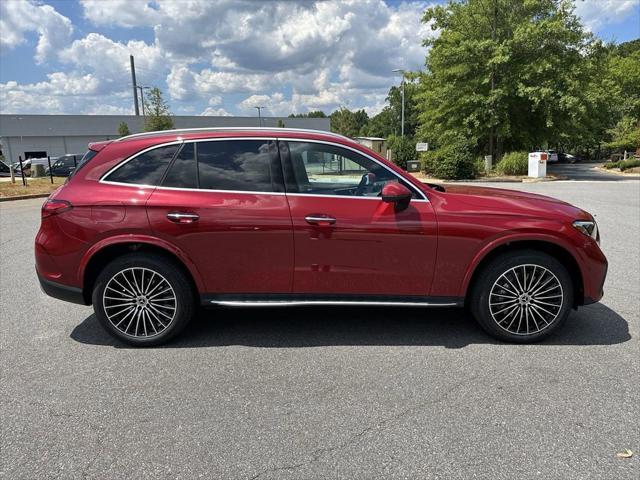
102,253
552,248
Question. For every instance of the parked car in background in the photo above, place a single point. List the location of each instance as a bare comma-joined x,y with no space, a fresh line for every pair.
152,225
26,165
4,169
567,158
64,165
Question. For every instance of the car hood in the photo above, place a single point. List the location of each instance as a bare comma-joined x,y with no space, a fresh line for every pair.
510,202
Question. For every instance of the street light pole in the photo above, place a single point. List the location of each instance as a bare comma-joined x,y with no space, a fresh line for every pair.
398,70
259,116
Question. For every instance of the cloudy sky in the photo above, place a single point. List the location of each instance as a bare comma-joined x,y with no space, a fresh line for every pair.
224,57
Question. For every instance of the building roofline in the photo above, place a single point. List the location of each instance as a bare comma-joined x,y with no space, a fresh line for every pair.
178,131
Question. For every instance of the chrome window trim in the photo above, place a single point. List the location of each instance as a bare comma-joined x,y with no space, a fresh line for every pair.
252,192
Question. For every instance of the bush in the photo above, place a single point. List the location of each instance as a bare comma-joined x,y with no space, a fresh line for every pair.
629,163
623,164
453,161
514,163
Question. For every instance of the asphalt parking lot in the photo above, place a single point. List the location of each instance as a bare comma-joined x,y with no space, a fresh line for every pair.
311,393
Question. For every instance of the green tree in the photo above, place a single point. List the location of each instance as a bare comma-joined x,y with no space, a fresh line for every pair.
123,129
280,124
625,135
505,74
312,114
403,148
348,123
158,116
381,125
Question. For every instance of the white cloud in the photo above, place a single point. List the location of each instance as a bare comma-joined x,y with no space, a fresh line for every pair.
596,13
110,59
215,112
123,13
18,17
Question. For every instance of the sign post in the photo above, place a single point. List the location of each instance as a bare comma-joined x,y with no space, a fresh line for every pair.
422,147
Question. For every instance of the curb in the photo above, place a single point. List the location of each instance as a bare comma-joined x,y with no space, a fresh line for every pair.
616,172
24,197
551,178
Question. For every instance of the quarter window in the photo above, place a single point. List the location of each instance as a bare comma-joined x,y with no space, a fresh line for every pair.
235,165
322,169
145,169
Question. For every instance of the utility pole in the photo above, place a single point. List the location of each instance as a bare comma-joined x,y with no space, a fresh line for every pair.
135,87
398,70
259,116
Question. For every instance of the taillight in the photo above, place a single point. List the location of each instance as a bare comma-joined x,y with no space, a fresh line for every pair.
54,207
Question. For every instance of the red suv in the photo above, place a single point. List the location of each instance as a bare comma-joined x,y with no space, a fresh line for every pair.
153,225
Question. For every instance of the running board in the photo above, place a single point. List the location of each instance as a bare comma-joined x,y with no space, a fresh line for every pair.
247,301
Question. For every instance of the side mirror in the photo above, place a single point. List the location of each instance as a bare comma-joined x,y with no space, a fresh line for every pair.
396,193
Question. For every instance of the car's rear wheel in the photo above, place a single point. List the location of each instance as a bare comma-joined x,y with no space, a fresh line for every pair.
522,297
143,299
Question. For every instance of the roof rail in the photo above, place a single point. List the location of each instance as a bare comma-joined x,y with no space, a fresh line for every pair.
231,129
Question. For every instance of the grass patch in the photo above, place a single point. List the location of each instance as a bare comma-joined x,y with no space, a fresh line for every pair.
513,163
34,186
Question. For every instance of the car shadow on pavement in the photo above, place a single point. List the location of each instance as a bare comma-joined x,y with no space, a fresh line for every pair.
291,327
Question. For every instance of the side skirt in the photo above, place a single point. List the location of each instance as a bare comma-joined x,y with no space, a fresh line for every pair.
292,300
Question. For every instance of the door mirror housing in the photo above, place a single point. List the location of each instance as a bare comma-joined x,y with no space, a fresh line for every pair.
396,193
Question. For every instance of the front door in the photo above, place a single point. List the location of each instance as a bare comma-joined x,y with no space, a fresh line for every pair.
222,203
347,240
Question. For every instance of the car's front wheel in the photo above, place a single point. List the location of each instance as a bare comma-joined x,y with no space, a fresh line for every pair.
522,297
143,299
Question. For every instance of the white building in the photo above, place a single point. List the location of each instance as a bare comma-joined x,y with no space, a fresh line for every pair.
377,144
34,136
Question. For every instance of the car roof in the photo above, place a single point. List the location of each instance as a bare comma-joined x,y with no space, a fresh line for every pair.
235,131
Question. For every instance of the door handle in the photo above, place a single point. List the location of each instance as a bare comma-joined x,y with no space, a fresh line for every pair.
320,219
183,217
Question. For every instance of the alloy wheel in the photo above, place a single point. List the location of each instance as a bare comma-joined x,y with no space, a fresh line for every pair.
526,299
139,302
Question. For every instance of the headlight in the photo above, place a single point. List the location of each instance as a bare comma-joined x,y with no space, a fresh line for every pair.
589,228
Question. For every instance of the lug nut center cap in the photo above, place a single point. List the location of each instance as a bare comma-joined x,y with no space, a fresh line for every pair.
524,299
142,301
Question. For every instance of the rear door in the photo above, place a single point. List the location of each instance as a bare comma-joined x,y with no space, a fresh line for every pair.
222,202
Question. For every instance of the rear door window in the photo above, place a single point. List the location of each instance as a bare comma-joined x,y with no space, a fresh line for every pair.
183,171
145,169
242,165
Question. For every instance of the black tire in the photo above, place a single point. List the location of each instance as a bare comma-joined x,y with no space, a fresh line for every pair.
178,302
510,325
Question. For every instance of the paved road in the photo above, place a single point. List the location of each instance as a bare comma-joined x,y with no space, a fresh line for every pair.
324,393
584,171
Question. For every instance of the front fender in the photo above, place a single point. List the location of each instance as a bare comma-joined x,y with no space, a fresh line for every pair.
518,236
